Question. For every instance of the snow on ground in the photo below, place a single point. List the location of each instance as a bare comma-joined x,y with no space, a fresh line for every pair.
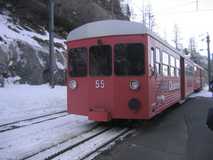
26,141
19,102
202,93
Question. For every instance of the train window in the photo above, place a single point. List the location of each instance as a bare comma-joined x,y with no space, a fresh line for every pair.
157,68
77,62
157,55
191,70
177,72
177,63
152,56
172,61
165,58
100,60
165,70
172,71
129,59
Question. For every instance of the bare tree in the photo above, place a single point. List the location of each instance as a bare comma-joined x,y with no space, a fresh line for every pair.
125,8
148,17
165,37
177,38
192,46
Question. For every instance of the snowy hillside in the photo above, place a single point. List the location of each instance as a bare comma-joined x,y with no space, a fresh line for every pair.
24,51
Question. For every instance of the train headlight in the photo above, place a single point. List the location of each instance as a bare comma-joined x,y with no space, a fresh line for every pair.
73,84
134,84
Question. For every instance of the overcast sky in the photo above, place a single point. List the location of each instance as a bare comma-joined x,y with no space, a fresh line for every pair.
184,13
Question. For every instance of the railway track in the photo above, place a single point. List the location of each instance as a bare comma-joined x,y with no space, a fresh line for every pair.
72,140
85,146
30,121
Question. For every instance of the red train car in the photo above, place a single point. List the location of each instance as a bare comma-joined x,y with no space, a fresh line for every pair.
119,70
198,77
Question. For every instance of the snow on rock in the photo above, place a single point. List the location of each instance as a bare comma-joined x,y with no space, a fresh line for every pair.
59,65
11,31
26,51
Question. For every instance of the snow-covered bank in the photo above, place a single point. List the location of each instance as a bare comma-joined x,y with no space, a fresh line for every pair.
19,102
202,93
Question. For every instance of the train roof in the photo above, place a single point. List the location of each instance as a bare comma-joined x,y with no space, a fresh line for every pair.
111,28
107,28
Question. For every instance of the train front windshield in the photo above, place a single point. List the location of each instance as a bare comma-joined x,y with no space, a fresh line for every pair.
128,60
78,62
100,60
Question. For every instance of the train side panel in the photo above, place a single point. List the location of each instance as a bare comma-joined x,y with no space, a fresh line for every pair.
189,78
164,77
197,78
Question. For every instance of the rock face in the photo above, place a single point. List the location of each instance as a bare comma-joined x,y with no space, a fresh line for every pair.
30,63
68,13
24,37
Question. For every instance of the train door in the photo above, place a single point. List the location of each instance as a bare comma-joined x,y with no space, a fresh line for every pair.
155,80
130,85
182,77
77,79
154,77
100,92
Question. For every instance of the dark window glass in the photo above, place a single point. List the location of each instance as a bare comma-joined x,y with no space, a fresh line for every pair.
100,58
129,59
78,62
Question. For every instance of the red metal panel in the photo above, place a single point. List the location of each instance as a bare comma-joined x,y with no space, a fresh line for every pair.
78,98
99,115
197,79
163,91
